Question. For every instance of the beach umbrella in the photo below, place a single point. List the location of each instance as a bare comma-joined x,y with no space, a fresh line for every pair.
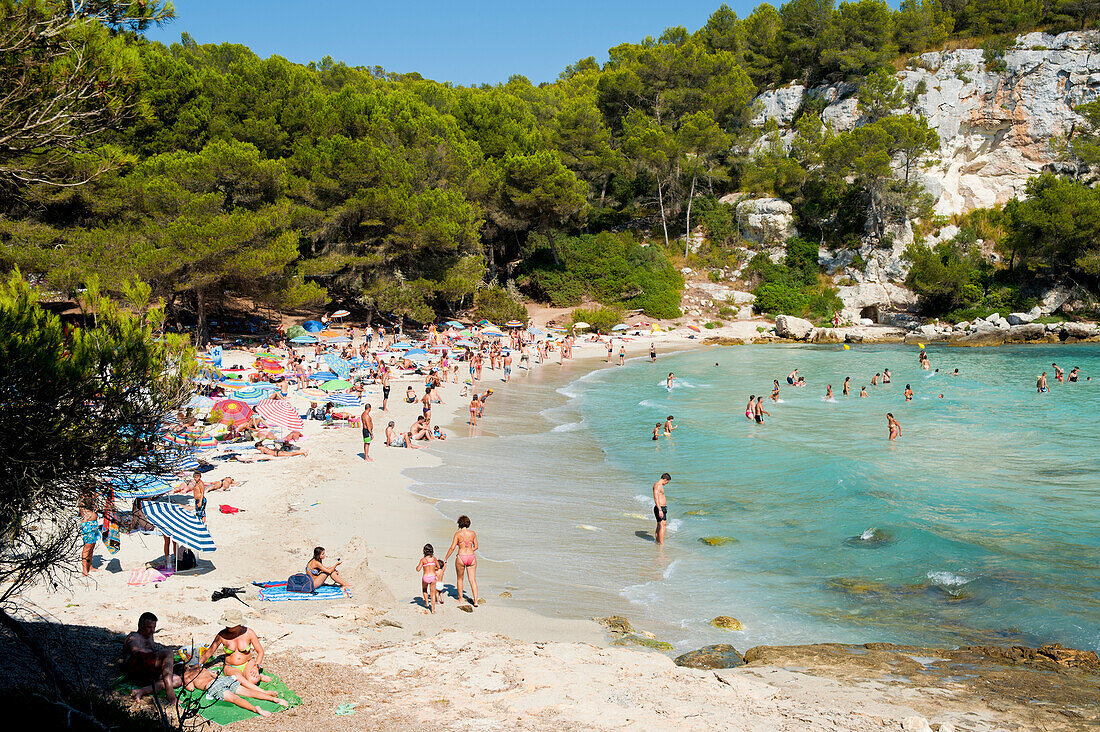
251,394
265,386
534,331
416,352
492,330
422,357
341,314
454,324
303,339
322,376
337,340
656,328
268,366
191,439
234,411
180,525
341,367
466,344
279,413
401,346
336,385
581,325
312,326
465,333
294,331
345,400
142,486
514,324
621,326
695,328
483,322
200,402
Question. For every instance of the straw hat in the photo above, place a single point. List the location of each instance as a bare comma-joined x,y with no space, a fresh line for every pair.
232,618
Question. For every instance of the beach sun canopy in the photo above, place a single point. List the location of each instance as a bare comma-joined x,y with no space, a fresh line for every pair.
337,340
313,326
200,402
621,326
336,385
514,324
181,525
280,414
303,339
234,411
581,324
454,324
341,314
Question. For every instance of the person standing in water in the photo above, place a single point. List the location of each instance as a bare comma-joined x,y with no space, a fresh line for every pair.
622,355
775,390
886,376
792,377
656,430
908,393
669,426
847,386
1041,383
660,507
828,391
669,380
893,426
874,379
652,352
748,408
758,410
863,391
1059,374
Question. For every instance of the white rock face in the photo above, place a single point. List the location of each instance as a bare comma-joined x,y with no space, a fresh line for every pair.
765,220
870,300
1020,318
995,129
788,326
780,105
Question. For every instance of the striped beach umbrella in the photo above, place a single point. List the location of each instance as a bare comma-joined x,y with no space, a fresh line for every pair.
199,402
345,399
251,394
234,411
279,413
191,439
341,314
179,524
337,340
303,340
514,324
142,486
322,376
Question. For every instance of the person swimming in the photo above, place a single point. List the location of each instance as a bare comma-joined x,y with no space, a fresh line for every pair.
792,377
829,391
863,391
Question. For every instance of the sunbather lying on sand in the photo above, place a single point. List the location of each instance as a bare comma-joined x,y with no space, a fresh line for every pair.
281,450
221,687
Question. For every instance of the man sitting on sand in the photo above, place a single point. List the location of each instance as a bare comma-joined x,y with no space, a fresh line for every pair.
396,439
144,663
419,430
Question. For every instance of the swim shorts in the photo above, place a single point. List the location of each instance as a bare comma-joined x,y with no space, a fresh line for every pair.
200,510
661,513
759,419
222,685
367,436
89,531
507,369
385,392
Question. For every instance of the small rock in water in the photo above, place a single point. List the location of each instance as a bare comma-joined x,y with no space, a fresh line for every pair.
506,594
637,640
696,513
718,540
725,622
721,655
616,624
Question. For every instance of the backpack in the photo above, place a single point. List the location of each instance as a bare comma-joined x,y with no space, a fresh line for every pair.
300,582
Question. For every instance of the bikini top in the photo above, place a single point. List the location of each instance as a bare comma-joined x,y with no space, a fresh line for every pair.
229,650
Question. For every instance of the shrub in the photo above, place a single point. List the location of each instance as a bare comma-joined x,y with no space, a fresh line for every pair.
601,318
496,305
793,287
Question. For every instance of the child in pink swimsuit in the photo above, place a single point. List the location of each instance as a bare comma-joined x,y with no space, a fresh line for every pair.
428,566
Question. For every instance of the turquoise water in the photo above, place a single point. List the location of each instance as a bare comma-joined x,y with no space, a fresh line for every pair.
981,524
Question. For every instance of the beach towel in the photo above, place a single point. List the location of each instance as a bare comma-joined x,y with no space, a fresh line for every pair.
148,575
223,712
275,591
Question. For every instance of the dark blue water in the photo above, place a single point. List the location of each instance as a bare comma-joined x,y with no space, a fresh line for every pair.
980,524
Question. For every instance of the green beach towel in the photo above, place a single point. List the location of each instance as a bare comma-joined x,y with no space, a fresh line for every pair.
223,712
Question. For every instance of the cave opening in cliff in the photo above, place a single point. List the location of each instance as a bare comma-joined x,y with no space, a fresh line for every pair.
870,312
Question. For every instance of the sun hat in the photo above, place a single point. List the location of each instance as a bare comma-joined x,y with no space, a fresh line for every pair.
232,618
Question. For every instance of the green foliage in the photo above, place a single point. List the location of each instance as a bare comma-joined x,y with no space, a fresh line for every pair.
1056,229
613,269
496,305
993,51
602,319
792,287
946,277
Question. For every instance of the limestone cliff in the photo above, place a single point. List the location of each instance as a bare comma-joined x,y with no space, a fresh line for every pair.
996,129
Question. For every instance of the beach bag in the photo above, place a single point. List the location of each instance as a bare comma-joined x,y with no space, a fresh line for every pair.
300,582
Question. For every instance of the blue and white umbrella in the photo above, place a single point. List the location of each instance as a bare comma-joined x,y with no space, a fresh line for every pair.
181,525
345,399
142,486
337,340
198,401
303,339
322,376
466,344
339,365
621,326
251,395
403,345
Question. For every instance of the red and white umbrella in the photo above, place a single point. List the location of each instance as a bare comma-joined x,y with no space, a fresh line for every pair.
279,413
234,411
341,314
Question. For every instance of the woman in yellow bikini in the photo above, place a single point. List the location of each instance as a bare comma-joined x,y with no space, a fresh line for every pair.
241,646
465,541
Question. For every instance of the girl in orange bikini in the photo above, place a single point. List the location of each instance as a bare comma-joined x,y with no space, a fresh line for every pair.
465,541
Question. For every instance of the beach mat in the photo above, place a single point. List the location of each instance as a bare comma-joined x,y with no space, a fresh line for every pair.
223,712
148,575
275,591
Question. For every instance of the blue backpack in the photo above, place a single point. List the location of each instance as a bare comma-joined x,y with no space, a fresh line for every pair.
300,582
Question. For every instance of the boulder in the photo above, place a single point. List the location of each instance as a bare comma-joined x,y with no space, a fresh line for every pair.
708,658
616,624
983,337
992,318
853,338
1076,330
788,326
927,330
1020,318
1053,299
916,724
766,221
824,335
1026,332
1002,323
725,622
637,640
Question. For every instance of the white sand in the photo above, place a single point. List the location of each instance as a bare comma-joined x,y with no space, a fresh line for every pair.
500,664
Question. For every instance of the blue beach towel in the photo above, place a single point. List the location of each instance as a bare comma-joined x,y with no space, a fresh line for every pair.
275,591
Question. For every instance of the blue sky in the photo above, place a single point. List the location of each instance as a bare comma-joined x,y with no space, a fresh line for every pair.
463,42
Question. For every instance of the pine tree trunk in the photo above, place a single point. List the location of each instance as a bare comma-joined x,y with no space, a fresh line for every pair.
200,327
691,194
661,200
603,189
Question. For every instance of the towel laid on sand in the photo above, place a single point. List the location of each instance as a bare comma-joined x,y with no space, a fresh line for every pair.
148,575
275,591
223,712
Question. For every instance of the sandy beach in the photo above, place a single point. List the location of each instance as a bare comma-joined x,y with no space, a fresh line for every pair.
499,666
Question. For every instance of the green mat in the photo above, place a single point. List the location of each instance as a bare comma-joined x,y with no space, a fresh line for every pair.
223,712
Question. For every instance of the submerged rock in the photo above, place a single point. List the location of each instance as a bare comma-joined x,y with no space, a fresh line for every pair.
718,540
637,640
616,624
725,622
717,656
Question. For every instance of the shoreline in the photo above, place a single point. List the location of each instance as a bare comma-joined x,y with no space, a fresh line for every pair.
370,515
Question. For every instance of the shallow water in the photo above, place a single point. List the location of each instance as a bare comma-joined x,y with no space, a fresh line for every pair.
979,525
